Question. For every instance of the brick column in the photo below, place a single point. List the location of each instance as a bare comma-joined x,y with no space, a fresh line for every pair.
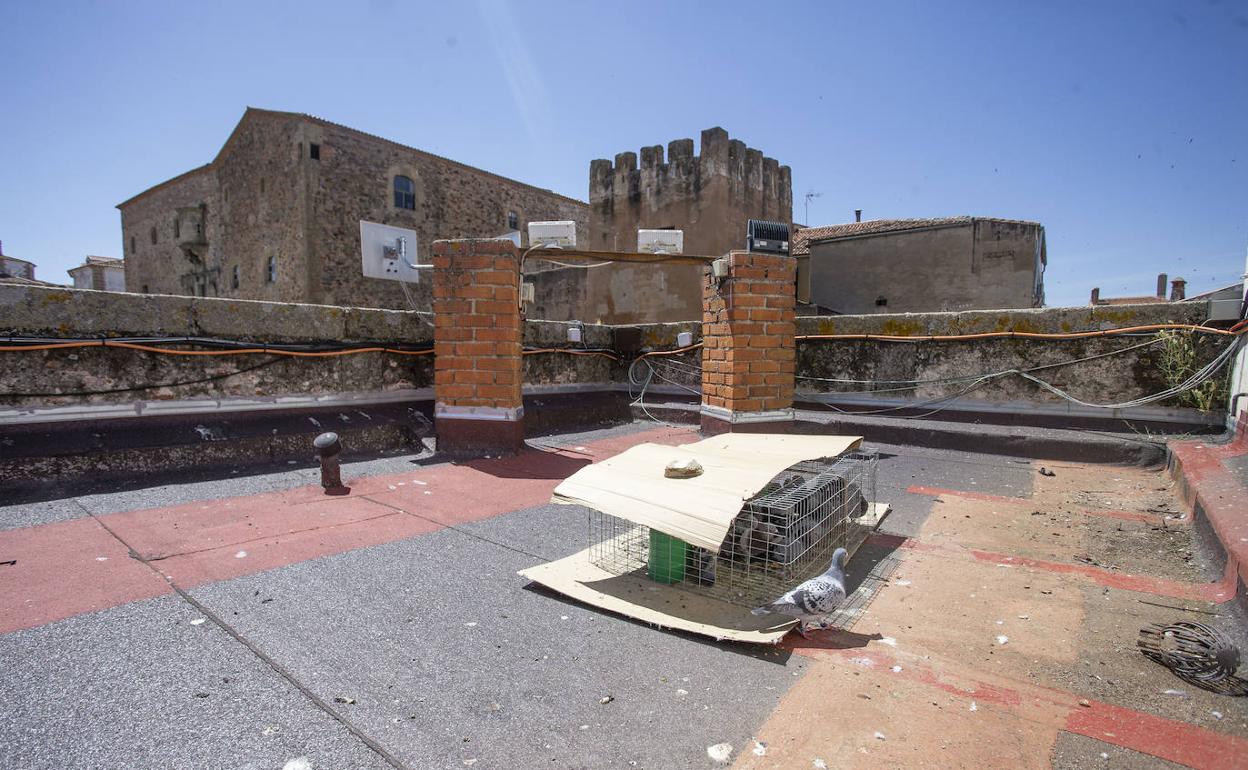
748,345
477,340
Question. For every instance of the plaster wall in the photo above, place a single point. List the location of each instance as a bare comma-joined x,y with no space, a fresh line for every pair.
980,265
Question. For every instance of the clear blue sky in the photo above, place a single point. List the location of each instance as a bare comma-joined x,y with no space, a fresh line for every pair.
1122,127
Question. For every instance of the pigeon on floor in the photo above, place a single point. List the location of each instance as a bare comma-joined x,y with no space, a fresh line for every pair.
1046,472
815,599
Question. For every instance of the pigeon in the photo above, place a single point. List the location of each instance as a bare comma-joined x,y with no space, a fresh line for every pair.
753,539
815,599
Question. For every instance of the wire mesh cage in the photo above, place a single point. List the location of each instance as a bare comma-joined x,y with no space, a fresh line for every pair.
783,535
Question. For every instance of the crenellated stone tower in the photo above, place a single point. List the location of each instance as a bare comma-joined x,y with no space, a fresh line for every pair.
709,196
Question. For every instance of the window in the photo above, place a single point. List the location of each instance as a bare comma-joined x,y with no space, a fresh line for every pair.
271,270
262,185
145,289
153,235
133,249
314,151
881,301
234,279
404,193
177,227
513,220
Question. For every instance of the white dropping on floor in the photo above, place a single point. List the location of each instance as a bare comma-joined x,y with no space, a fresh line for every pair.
760,749
197,622
240,555
298,763
819,764
720,752
1002,639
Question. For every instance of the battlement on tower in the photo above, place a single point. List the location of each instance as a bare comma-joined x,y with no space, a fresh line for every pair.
710,195
747,172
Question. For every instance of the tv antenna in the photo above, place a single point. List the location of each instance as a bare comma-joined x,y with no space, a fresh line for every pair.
809,195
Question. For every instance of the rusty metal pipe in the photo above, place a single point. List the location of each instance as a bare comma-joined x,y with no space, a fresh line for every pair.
328,448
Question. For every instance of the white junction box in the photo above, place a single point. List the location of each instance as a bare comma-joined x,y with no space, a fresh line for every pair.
661,241
388,252
553,235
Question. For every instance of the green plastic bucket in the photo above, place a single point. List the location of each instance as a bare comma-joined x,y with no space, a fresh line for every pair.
667,558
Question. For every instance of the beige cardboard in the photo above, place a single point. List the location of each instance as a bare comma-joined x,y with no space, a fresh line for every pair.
666,606
699,510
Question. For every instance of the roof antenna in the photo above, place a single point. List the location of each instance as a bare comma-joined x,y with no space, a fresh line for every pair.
809,195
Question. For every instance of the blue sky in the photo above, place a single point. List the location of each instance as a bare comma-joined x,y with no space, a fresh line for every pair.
1122,127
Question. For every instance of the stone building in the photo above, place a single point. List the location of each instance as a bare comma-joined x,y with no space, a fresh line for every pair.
100,273
12,267
921,265
276,214
710,196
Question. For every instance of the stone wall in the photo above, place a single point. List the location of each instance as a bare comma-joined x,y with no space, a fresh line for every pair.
65,313
984,263
110,375
710,196
266,196
1108,379
159,268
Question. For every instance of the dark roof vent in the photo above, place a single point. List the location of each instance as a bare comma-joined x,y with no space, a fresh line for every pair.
769,237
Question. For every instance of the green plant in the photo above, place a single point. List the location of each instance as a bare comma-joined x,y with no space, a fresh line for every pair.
1178,360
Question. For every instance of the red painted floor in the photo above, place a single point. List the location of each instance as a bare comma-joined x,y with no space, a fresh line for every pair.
57,574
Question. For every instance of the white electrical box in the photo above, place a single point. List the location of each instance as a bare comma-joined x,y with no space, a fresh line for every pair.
684,339
528,292
552,235
388,252
661,241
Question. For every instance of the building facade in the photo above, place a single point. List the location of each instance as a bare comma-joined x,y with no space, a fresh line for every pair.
276,215
710,196
921,265
100,274
12,267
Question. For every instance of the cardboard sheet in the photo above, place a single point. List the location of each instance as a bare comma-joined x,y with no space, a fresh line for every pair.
700,510
667,606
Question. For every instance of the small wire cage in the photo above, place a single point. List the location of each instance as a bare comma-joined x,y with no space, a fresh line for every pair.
784,535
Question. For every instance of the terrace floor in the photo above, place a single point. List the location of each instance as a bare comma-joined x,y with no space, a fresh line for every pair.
254,622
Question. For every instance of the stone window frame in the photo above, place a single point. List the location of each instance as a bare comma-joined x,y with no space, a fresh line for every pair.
270,271
513,220
133,246
314,151
177,227
404,198
153,235
235,277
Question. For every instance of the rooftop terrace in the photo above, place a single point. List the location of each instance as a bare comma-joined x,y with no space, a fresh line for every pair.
250,621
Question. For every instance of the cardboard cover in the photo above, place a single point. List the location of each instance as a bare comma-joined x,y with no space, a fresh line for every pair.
699,510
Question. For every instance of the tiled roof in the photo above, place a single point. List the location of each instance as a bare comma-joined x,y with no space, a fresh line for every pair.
802,239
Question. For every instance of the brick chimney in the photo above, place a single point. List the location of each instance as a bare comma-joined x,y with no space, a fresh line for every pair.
1161,284
1096,296
1178,290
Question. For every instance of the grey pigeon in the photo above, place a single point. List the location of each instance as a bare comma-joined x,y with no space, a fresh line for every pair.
815,599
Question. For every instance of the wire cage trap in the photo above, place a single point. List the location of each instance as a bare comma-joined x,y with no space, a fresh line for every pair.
783,535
